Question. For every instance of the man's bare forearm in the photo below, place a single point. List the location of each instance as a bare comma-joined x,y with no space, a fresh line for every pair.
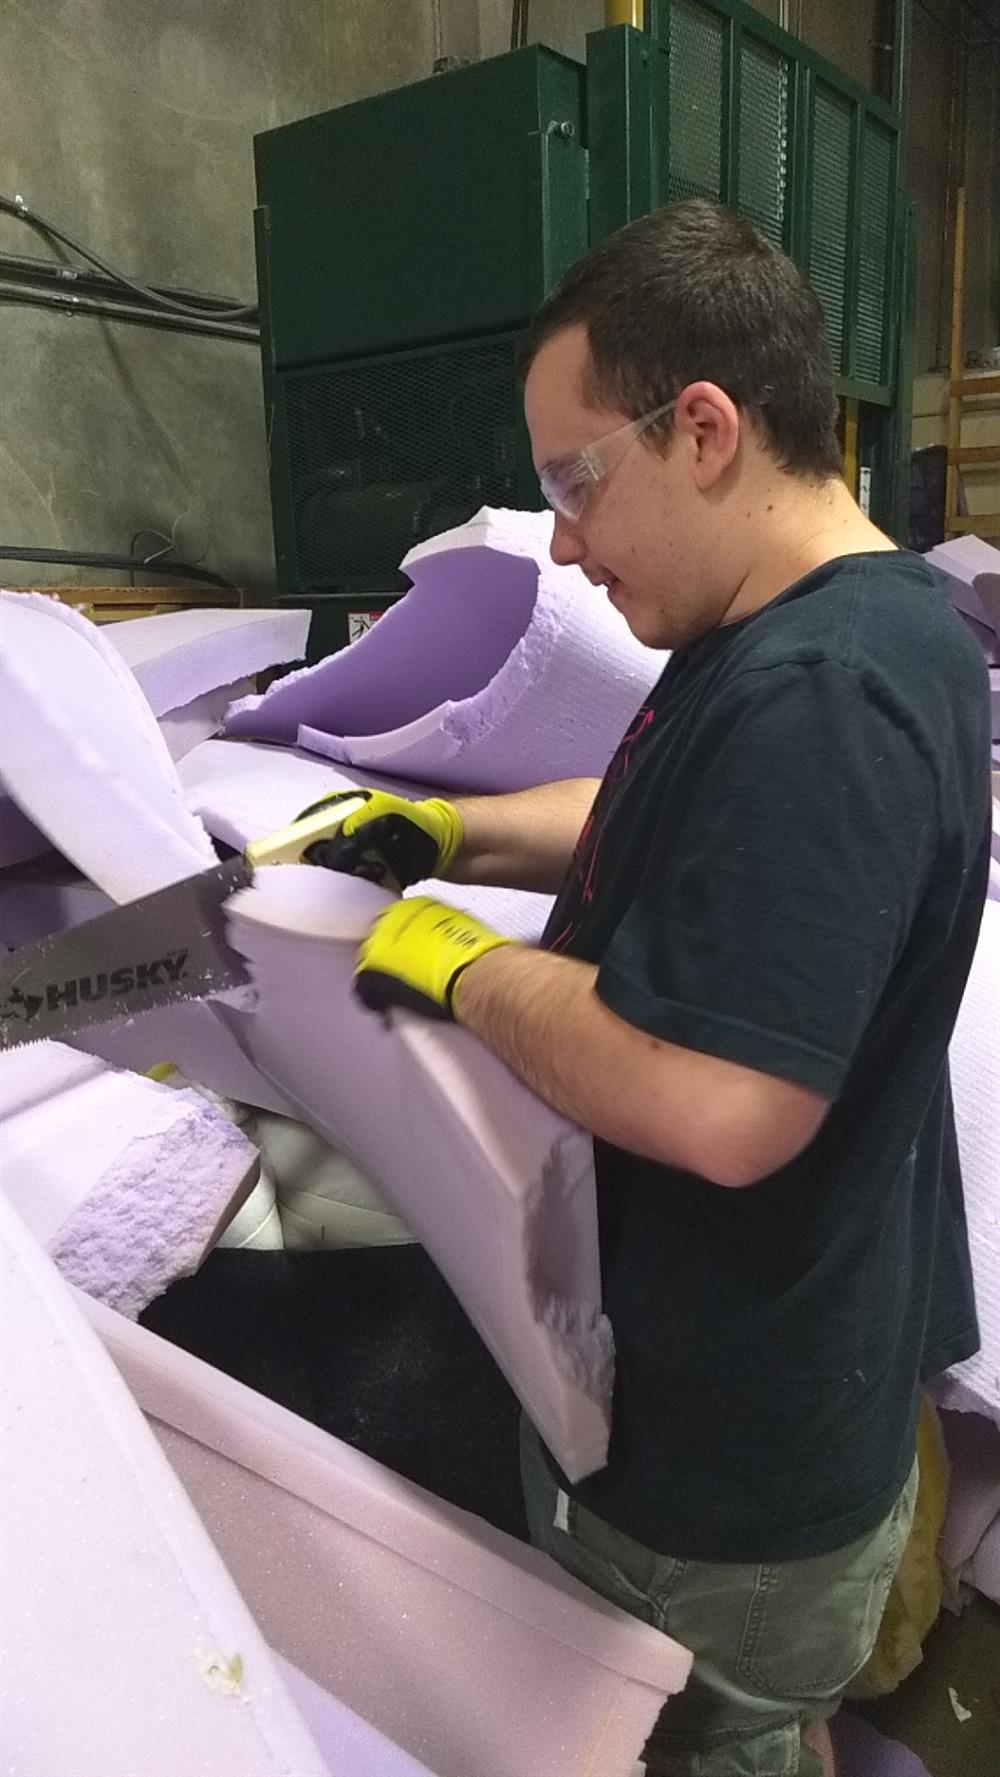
681,1108
540,1014
525,840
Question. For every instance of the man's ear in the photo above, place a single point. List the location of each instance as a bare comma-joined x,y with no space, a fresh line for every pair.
711,421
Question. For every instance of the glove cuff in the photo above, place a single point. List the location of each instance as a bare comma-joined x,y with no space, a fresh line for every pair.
453,832
457,974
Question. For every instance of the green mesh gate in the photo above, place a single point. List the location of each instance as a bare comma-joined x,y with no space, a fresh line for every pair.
742,111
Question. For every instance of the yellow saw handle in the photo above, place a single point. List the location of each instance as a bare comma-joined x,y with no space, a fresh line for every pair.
287,845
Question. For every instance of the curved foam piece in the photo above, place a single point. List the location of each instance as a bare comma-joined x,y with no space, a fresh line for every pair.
127,1183
473,1652
83,757
496,671
127,1647
497,1187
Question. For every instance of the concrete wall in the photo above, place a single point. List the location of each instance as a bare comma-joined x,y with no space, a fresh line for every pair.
129,122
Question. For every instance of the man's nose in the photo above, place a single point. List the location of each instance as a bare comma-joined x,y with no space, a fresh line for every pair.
567,547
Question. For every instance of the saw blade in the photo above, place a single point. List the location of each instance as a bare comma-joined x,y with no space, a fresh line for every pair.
167,947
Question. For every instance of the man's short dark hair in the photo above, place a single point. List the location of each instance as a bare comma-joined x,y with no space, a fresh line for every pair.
690,293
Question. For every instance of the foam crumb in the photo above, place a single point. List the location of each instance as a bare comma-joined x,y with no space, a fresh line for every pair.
961,1713
225,1676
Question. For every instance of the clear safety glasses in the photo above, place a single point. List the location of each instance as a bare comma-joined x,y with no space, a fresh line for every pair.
567,482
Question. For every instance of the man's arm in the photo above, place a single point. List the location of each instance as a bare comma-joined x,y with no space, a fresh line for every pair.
525,840
678,1107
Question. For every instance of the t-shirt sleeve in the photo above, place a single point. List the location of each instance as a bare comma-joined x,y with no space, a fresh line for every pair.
771,910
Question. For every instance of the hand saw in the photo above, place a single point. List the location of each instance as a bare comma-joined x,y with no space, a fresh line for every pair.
163,948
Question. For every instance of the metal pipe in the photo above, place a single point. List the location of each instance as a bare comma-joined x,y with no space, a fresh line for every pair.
785,17
624,12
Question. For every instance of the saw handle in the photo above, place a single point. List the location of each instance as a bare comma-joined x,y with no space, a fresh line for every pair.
290,844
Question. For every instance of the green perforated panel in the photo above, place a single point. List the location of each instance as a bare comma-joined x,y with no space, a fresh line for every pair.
762,167
828,242
696,44
384,452
874,222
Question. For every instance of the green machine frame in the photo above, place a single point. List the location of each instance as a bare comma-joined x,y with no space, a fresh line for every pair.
404,242
715,100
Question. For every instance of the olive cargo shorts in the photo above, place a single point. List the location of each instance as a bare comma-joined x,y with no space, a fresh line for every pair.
774,1645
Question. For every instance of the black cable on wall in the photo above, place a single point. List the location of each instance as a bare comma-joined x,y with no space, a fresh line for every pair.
84,558
209,309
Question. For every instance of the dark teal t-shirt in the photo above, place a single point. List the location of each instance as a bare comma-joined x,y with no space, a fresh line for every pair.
785,867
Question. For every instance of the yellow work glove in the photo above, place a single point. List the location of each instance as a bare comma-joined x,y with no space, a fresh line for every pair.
415,953
389,841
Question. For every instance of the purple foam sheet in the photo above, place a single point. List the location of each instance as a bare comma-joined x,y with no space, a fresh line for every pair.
182,655
969,1546
970,1541
863,1752
496,671
973,568
408,663
352,1745
473,1652
127,1647
974,1386
497,1187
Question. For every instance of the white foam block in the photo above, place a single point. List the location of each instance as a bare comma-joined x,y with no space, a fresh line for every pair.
127,1648
125,1182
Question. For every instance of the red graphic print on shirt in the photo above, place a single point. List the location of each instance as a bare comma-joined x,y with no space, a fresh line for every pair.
578,891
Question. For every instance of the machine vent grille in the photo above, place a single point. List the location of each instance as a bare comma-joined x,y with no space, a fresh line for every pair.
696,45
874,223
384,452
763,143
831,157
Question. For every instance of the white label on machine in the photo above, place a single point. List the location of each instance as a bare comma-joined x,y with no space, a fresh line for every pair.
360,621
865,489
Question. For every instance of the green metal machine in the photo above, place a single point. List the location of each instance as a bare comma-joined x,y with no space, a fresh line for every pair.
404,242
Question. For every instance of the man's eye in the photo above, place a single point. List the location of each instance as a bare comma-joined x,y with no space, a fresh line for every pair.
575,475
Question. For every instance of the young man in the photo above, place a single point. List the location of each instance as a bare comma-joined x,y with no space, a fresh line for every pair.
746,989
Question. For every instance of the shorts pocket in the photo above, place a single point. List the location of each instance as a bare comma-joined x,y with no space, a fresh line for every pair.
629,1571
812,1624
